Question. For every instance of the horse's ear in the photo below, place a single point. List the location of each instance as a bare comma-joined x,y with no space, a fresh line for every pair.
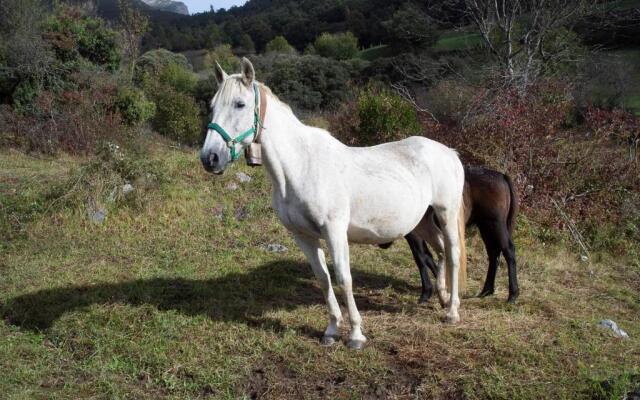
220,74
248,73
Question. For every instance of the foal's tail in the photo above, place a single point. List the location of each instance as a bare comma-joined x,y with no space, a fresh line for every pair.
514,204
462,272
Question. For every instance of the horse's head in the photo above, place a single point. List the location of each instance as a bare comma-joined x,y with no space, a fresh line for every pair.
234,120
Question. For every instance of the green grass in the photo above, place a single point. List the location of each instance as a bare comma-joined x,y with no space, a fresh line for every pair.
456,41
175,299
375,52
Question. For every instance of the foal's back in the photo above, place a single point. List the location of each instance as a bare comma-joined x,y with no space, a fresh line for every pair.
488,196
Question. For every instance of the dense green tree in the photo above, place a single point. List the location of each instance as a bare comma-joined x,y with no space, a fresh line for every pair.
339,46
410,26
244,45
279,45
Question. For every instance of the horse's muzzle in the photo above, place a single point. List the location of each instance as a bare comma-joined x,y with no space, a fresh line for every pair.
210,162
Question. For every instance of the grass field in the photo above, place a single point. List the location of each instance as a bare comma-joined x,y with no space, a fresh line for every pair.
175,298
454,41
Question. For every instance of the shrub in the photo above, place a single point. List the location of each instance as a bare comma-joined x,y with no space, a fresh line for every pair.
153,62
339,46
279,45
177,115
379,115
73,35
179,78
306,82
73,120
24,94
223,55
385,116
449,100
581,180
134,106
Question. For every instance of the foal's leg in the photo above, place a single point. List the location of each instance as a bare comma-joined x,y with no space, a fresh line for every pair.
423,259
339,247
491,244
449,223
441,281
510,255
428,230
312,250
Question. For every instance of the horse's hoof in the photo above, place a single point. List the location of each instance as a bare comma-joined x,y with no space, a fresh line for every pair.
423,299
354,344
452,318
485,293
512,299
329,340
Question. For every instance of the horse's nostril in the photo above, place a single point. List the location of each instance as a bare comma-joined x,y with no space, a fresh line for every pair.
215,159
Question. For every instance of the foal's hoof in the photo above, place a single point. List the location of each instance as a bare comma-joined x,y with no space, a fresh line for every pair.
354,344
486,292
329,340
512,299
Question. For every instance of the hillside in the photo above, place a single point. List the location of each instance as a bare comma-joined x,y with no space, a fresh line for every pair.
174,296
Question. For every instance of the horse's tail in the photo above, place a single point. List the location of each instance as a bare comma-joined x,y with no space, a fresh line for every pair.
462,272
514,204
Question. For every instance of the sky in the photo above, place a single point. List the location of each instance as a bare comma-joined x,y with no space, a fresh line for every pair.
203,5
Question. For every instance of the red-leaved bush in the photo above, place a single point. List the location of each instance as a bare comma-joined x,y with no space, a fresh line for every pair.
73,120
583,175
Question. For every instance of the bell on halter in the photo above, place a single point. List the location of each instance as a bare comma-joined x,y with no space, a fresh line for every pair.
253,155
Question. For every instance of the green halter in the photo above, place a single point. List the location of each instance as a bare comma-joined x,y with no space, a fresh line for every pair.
231,142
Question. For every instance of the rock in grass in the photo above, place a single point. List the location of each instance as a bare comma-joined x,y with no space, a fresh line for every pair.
609,324
231,186
218,211
242,177
242,213
127,188
97,216
274,248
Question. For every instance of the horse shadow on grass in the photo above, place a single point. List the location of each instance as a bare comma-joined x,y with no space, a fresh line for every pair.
237,297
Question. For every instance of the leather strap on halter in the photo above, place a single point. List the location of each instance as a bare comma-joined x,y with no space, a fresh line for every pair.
263,112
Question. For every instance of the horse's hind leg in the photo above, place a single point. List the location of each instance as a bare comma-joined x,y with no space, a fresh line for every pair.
423,259
510,255
312,250
493,254
449,224
497,240
339,247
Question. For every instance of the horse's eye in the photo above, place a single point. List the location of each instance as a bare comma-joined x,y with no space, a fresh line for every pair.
240,104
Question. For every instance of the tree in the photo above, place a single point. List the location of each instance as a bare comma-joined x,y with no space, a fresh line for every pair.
25,58
410,26
134,25
517,33
244,45
340,46
279,45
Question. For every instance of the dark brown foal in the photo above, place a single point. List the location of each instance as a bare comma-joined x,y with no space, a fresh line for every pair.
491,204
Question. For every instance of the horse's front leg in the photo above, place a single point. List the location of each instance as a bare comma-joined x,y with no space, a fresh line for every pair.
312,250
339,247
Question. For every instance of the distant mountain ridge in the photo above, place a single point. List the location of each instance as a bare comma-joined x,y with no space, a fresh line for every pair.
177,7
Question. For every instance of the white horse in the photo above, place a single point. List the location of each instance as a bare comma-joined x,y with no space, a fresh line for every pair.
323,189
